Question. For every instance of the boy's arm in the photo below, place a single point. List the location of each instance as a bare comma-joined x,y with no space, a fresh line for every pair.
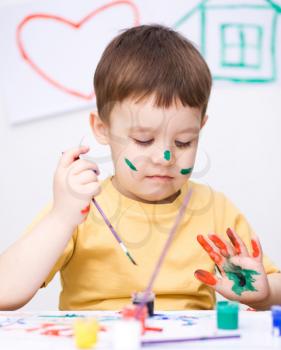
25,265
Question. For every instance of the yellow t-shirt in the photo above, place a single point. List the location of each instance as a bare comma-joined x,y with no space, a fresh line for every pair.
97,275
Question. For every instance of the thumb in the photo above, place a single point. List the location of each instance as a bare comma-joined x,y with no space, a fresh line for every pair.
71,155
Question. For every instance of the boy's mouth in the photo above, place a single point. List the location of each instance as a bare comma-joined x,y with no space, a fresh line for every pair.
160,177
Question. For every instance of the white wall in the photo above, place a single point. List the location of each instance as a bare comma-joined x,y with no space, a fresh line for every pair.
242,139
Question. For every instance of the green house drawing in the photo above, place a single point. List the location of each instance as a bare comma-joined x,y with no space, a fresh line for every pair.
238,38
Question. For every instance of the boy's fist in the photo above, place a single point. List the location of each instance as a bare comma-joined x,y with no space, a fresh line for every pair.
75,184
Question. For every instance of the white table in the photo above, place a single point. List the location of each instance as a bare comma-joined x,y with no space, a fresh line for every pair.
254,327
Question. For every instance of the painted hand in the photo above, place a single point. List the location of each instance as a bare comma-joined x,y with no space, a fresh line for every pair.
75,184
242,275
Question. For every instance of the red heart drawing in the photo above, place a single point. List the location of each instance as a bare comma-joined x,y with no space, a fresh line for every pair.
74,25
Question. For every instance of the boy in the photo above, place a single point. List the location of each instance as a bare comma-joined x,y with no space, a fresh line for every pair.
152,89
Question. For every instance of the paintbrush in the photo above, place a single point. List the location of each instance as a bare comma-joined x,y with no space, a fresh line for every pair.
115,234
164,252
111,228
191,339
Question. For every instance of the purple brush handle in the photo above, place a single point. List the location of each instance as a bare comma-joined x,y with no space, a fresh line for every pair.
165,250
182,340
115,234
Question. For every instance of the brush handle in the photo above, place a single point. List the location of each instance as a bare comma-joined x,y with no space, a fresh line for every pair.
115,234
165,250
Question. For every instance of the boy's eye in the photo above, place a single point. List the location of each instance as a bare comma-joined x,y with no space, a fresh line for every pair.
143,142
180,144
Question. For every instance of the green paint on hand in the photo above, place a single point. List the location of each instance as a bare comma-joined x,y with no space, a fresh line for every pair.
131,165
186,171
243,279
167,155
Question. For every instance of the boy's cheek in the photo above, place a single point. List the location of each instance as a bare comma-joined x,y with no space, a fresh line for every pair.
184,161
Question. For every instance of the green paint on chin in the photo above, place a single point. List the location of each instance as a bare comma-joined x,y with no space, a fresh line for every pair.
131,165
186,171
242,278
167,155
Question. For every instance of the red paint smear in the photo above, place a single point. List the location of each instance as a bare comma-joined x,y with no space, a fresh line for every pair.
154,329
205,277
85,210
132,312
74,25
216,258
55,332
234,241
256,250
220,244
43,325
204,243
213,255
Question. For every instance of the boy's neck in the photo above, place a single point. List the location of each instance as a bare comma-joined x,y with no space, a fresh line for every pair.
167,200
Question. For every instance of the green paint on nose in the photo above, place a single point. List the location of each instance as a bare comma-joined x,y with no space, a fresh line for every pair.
131,165
167,155
186,171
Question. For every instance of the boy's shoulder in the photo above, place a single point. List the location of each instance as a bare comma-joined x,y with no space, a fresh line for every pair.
204,192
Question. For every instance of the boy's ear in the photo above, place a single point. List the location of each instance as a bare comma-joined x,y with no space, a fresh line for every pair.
99,128
204,121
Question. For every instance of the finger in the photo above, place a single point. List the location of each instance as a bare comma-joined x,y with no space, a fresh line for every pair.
71,155
217,258
239,246
86,177
82,165
257,248
206,277
225,249
210,280
93,188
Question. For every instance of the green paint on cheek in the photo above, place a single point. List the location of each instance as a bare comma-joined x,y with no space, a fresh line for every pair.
242,278
167,155
131,165
186,171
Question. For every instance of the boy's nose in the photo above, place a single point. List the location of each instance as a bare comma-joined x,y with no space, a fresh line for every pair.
163,157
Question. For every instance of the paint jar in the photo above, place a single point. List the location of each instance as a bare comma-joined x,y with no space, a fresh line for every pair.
138,297
85,333
227,315
126,335
276,320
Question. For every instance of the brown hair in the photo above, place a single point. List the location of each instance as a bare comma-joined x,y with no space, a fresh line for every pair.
151,59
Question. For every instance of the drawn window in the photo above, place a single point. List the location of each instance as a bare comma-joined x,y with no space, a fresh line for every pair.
241,45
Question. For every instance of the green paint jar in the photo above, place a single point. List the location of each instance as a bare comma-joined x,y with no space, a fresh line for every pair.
227,315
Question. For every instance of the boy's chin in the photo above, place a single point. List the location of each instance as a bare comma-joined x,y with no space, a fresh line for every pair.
158,197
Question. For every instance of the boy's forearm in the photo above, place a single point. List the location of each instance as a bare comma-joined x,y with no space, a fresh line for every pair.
26,264
274,297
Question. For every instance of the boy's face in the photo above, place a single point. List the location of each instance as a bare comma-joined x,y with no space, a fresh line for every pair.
153,149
